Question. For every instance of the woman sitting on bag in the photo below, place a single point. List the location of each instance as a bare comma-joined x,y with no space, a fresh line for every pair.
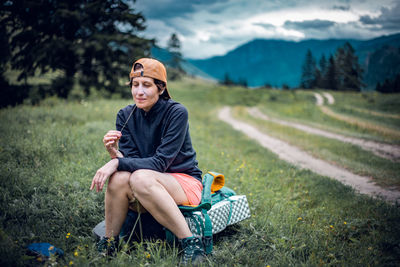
152,161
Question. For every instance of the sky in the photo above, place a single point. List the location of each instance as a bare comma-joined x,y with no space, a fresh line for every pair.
209,28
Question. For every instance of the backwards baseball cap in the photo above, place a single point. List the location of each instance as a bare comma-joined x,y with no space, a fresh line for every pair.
152,68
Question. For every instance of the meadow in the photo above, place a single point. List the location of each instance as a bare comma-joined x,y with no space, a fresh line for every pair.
50,152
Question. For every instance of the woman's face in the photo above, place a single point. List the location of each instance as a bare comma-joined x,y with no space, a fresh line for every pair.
144,92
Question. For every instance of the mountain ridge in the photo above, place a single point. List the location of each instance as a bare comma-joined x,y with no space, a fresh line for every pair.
278,62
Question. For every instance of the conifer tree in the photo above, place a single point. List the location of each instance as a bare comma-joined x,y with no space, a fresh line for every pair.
308,71
353,71
174,46
330,78
349,69
92,41
321,82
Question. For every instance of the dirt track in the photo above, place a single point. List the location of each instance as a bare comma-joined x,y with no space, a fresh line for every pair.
301,159
387,151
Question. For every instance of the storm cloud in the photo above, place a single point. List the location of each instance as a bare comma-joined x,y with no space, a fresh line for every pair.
388,19
213,27
309,24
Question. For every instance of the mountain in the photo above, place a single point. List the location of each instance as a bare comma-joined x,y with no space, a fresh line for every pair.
278,62
165,56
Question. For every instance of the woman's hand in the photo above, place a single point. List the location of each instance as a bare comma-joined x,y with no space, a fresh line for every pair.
110,141
103,174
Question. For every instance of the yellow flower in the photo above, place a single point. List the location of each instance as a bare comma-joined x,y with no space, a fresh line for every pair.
331,226
148,256
299,219
71,262
251,194
76,254
344,222
68,235
268,266
51,248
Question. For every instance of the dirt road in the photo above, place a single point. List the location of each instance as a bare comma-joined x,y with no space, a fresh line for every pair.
391,152
301,159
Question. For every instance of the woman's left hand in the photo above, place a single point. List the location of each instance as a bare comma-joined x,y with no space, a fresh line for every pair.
103,174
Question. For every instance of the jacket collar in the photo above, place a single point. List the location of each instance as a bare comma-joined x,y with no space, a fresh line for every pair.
156,109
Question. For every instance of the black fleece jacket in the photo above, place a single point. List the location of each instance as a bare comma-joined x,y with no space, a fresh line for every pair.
157,140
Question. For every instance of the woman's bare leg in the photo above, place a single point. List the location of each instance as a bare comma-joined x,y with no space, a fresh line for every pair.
117,199
159,193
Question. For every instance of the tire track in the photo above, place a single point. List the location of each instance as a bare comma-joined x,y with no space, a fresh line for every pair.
303,160
391,152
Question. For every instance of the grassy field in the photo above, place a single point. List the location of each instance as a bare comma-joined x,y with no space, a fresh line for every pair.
49,154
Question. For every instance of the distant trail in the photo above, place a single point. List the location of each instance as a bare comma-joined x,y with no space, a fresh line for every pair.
387,151
330,98
319,99
300,158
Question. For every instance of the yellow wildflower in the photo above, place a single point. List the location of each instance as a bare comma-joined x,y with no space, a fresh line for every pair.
68,235
344,222
76,253
331,226
299,219
51,248
148,256
71,262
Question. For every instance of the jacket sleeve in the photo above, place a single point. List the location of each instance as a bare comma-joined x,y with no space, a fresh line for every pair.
171,142
127,145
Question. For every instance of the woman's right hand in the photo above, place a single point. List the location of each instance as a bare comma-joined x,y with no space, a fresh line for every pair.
110,141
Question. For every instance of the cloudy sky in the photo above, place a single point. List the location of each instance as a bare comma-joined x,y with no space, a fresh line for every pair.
213,27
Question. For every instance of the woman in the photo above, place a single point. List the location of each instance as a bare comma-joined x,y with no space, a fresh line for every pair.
152,160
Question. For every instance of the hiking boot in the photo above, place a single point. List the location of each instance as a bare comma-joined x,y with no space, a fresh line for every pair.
193,251
107,246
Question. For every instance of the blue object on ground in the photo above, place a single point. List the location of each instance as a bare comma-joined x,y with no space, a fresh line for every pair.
44,249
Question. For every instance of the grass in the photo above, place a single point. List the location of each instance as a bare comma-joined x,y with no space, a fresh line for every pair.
49,154
299,106
384,172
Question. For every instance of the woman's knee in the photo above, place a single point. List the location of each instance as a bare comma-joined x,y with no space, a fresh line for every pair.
141,181
118,180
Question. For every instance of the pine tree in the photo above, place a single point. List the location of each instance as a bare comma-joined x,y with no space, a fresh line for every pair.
353,71
349,69
94,41
321,82
174,47
308,71
340,68
389,86
330,78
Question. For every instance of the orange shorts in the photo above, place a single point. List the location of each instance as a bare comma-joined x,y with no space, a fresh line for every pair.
191,186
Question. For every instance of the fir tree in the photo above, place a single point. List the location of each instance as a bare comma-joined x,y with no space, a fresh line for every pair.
308,71
174,46
94,41
352,70
323,65
330,78
349,69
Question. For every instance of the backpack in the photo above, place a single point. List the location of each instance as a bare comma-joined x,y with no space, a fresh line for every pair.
219,208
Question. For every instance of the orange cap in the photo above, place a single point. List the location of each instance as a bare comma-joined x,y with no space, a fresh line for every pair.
152,68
